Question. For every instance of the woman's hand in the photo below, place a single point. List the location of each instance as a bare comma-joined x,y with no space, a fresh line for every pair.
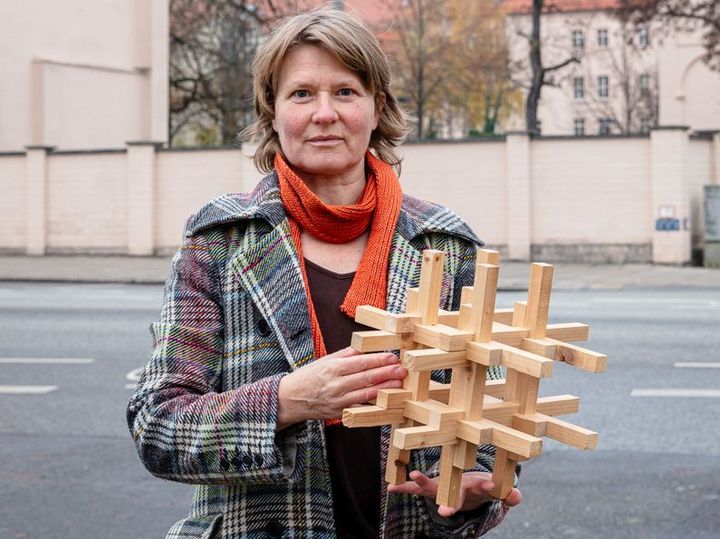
322,389
474,491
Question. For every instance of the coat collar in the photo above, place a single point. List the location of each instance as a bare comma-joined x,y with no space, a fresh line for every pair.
417,217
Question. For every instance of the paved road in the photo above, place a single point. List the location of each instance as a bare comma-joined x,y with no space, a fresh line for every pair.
68,468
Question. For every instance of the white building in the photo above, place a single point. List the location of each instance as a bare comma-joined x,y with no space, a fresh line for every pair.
83,74
627,80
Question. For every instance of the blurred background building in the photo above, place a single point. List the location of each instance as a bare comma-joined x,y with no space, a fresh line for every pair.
119,118
83,74
627,76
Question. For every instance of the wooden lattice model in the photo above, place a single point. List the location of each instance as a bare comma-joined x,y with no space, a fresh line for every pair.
470,410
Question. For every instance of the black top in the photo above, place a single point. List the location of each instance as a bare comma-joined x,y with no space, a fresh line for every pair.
353,454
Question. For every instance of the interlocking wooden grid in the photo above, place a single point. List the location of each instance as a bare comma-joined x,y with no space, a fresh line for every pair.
470,410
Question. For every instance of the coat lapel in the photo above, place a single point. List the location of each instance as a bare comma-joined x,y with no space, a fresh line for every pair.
269,270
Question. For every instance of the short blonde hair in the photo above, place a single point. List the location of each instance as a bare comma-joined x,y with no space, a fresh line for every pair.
354,46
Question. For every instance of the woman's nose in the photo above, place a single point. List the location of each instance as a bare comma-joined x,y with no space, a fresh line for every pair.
325,112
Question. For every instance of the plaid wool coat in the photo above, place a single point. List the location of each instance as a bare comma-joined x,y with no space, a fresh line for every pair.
234,322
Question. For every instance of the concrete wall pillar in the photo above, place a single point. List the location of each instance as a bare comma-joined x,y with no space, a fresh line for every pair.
517,154
159,51
141,180
36,177
715,174
671,236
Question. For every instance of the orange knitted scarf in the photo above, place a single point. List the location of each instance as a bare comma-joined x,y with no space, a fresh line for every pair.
378,207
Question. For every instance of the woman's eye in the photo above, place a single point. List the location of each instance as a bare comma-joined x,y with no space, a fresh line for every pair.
346,92
301,94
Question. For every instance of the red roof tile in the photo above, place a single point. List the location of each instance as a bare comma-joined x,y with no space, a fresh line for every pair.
518,7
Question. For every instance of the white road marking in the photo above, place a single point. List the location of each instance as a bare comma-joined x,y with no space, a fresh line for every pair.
31,390
134,375
697,365
45,360
665,301
693,393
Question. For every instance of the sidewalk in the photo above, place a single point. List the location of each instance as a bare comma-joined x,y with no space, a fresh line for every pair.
513,275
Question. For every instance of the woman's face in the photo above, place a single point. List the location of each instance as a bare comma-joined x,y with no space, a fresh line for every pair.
323,115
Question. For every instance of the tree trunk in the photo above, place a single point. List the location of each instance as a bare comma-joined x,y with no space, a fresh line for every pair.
538,74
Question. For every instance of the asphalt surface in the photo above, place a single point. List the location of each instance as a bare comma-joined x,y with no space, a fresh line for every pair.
68,467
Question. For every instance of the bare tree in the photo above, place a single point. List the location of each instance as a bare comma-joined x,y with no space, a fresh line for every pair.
480,86
680,15
539,71
450,61
632,100
418,42
212,43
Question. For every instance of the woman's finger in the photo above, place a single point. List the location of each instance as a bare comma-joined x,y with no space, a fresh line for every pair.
363,362
420,485
372,377
365,394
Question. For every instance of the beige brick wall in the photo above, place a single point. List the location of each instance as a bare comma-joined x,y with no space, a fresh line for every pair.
86,204
549,198
186,181
591,192
464,177
12,200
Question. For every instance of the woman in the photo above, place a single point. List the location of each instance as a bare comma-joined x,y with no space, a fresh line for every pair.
248,377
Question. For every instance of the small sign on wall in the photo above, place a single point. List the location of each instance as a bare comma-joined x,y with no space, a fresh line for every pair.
666,219
667,223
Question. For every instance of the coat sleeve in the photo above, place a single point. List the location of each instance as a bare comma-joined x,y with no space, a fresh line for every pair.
481,520
186,429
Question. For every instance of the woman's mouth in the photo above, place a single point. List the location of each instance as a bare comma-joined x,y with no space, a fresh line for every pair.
325,141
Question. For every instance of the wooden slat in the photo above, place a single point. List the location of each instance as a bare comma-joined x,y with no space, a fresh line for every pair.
538,305
504,316
378,341
512,358
581,358
424,436
448,493
571,332
442,337
448,318
382,320
488,354
432,413
488,256
484,291
371,416
397,460
431,273
430,359
503,474
393,398
411,305
439,392
519,313
558,405
562,431
483,431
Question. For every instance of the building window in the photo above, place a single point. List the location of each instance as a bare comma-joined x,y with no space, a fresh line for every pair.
578,39
579,127
604,126
603,86
602,37
644,84
643,36
645,125
578,87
